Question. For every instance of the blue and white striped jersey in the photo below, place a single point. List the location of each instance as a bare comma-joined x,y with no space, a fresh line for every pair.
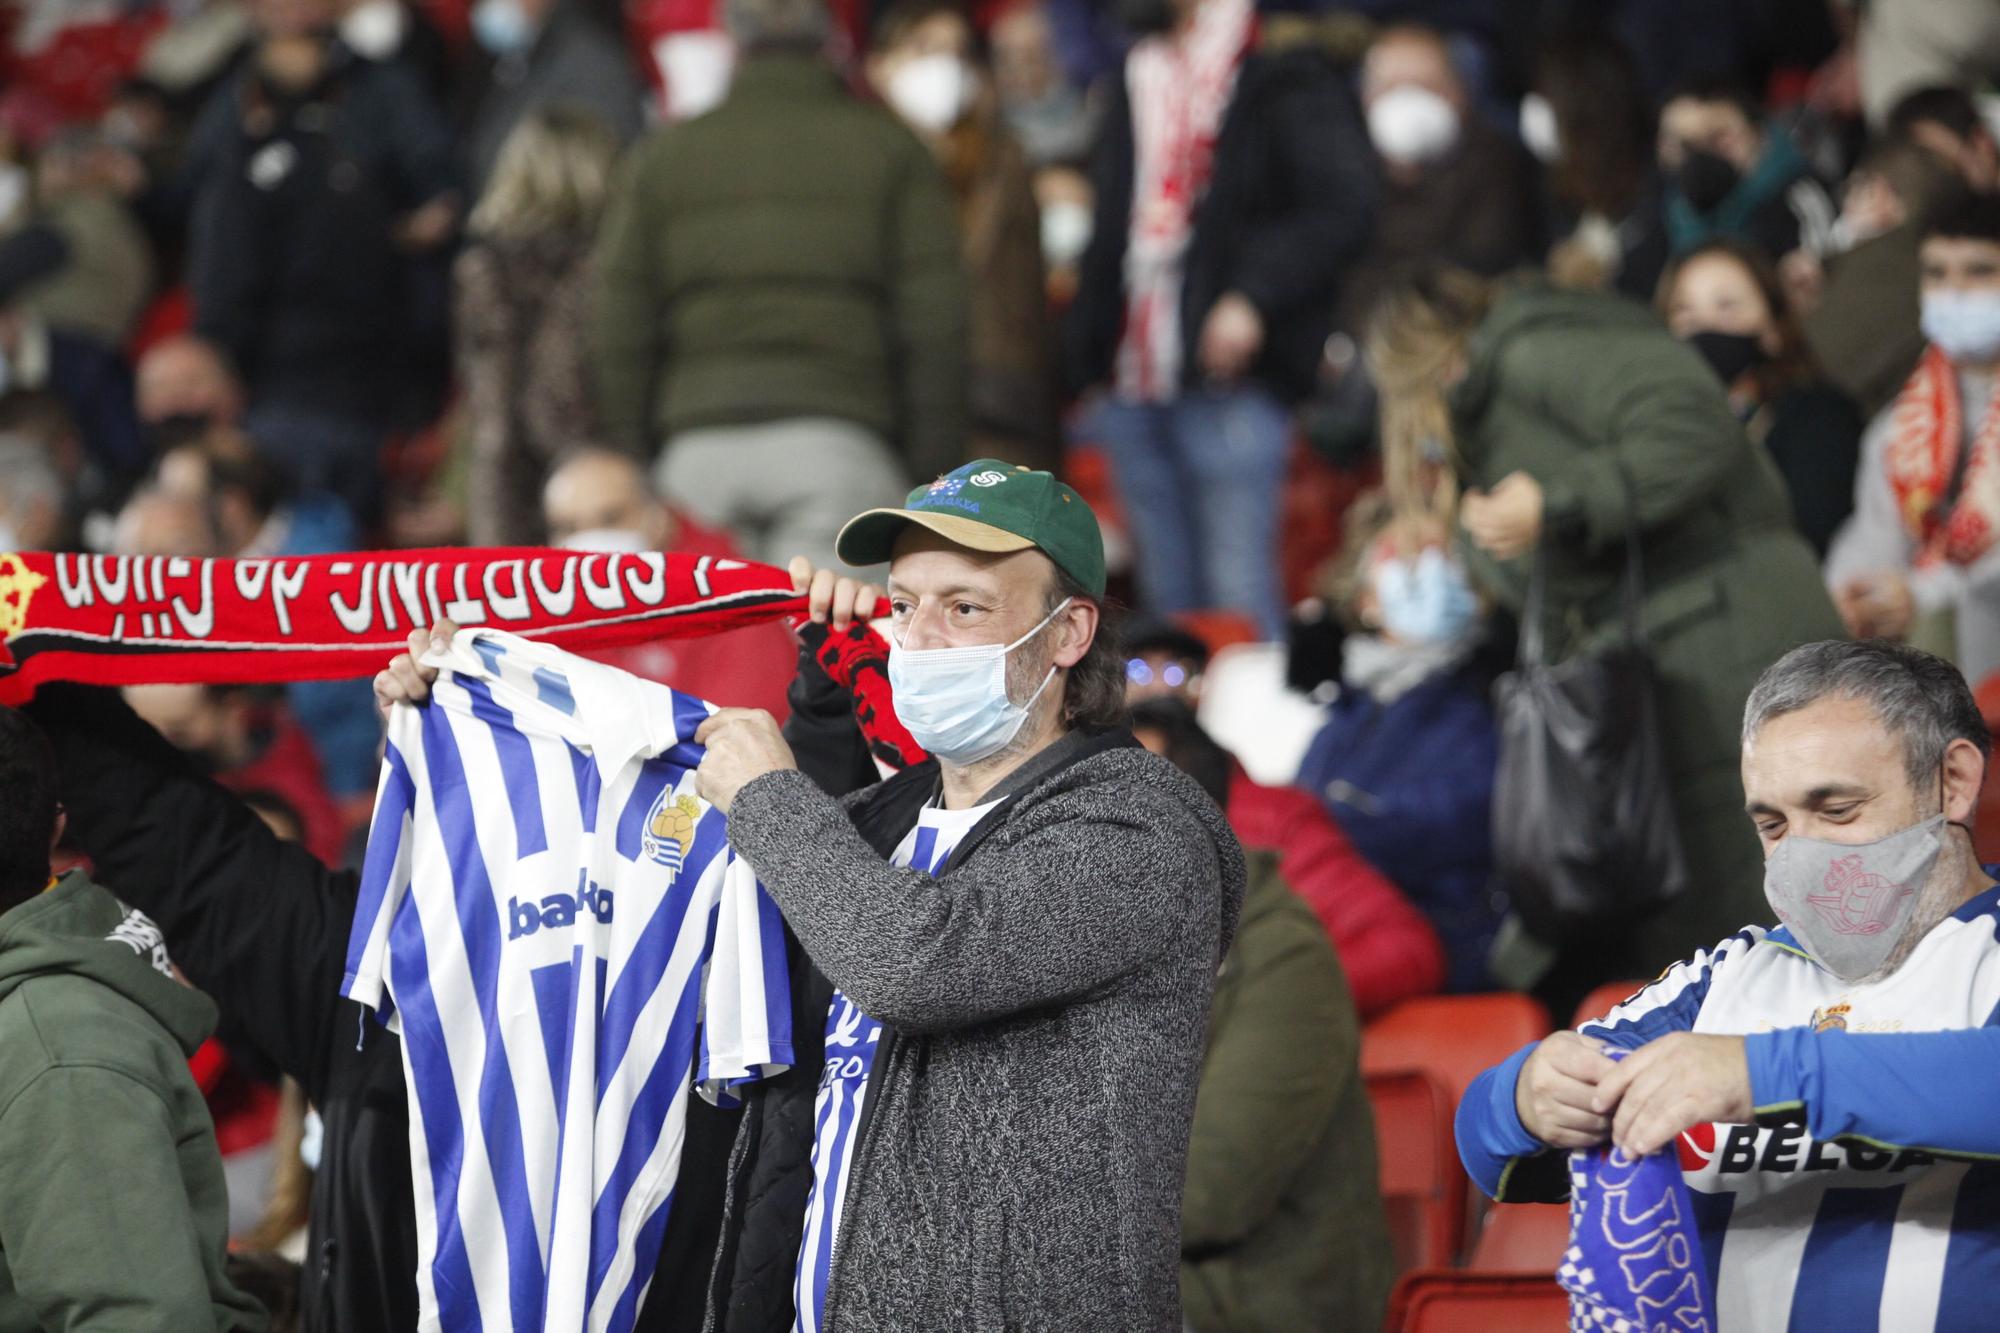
1880,1206
851,1041
556,926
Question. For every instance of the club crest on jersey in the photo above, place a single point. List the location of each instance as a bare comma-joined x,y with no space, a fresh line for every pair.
670,829
1833,1018
1854,901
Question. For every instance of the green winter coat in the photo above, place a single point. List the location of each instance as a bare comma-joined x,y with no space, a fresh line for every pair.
113,1213
1583,391
1282,1227
791,253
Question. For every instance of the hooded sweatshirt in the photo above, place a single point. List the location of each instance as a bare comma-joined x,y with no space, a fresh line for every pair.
113,1213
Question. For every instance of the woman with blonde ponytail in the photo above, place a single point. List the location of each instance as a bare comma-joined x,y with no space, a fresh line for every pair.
1536,418
1416,347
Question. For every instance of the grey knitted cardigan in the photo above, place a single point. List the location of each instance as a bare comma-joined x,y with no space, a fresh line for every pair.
1022,1159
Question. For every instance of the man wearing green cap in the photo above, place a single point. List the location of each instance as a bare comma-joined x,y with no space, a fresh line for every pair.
1006,960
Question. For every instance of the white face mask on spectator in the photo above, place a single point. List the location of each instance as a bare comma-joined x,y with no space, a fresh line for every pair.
374,29
1965,326
697,68
1066,227
608,541
930,91
1538,128
1410,125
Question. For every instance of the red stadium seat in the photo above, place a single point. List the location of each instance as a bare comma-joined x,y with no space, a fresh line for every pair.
1451,1037
1451,1302
1521,1238
1604,999
1423,1185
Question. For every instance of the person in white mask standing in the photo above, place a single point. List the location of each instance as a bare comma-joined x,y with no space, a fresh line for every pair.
1920,557
1008,952
925,62
1454,188
1828,1085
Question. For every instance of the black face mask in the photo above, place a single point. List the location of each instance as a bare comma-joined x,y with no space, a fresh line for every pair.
173,431
1143,18
1729,355
1706,179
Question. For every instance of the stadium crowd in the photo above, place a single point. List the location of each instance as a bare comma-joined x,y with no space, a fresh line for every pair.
1381,335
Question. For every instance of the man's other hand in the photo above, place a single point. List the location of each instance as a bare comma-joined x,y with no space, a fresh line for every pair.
833,600
743,744
1682,1080
1555,1091
406,680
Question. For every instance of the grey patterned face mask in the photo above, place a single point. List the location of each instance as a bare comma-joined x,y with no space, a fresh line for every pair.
1847,904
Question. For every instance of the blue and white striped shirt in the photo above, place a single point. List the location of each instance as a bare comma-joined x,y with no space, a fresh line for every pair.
1878,1204
558,929
851,1041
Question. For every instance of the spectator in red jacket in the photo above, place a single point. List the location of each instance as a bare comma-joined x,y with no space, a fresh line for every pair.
1386,947
603,500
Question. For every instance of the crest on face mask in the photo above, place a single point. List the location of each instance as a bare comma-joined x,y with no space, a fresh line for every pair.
1854,900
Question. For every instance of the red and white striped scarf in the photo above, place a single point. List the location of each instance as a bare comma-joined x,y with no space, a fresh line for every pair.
1180,84
1927,433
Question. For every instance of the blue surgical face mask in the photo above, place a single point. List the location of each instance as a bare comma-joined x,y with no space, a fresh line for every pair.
954,700
1965,326
502,27
1426,600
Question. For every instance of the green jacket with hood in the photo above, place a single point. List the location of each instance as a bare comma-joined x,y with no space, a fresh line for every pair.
113,1213
1618,420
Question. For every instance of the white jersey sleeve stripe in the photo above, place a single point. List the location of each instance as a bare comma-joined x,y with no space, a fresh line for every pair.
1672,1003
479,923
385,878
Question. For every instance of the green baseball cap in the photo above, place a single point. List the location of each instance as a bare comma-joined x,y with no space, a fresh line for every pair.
989,505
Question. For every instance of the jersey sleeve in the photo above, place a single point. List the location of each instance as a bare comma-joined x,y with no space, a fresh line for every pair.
1499,1153
1933,1091
746,1030
385,874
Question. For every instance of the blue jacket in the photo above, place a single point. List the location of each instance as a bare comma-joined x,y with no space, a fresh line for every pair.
1412,785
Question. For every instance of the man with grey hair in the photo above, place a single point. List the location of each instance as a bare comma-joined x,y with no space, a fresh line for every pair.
1829,1085
780,307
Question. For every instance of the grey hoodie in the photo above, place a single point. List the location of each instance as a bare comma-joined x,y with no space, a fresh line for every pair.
113,1213
1046,998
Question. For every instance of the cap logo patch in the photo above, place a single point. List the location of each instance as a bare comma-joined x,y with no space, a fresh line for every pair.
946,486
988,478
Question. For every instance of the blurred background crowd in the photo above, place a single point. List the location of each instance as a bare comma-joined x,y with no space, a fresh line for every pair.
1335,309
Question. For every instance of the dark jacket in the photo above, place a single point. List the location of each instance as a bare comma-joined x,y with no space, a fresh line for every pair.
1589,395
293,269
1411,784
1283,1228
1813,433
1865,331
1011,388
113,1212
791,253
1022,1147
1478,207
262,927
1288,208
573,62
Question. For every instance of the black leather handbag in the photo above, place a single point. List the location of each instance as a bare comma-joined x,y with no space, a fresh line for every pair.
1583,819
